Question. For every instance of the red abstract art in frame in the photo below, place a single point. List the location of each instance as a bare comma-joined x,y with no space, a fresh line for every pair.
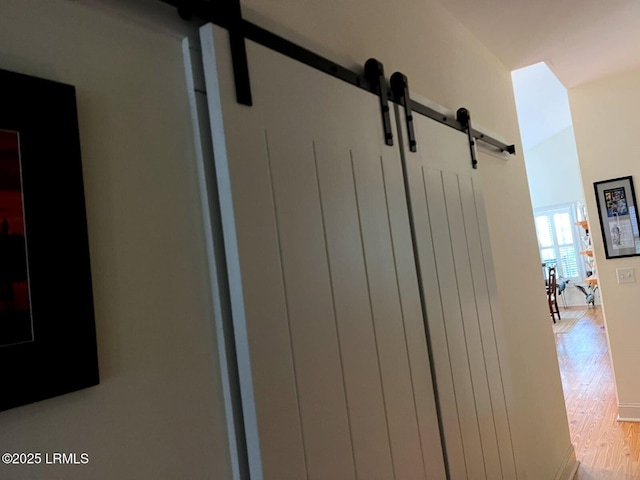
47,327
16,324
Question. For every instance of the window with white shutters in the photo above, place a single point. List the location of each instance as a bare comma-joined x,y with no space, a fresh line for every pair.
558,240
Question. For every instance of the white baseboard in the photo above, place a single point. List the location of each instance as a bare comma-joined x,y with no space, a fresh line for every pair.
569,467
629,412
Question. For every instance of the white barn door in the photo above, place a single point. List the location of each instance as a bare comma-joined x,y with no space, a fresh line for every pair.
460,295
334,368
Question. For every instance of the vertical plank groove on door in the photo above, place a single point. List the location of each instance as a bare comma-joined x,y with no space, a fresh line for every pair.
286,301
318,364
437,326
402,316
394,359
410,229
475,349
453,314
424,402
333,304
486,278
465,327
480,296
362,466
375,332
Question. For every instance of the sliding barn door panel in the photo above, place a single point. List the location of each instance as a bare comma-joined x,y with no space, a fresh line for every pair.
332,353
462,318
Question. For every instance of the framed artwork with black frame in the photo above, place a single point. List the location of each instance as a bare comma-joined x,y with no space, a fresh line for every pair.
618,212
47,327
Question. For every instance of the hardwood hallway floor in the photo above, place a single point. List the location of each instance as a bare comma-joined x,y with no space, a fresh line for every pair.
607,449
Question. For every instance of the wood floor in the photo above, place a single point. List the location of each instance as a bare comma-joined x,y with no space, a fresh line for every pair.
607,449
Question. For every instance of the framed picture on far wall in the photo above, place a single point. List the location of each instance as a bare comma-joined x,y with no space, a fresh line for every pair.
47,328
618,213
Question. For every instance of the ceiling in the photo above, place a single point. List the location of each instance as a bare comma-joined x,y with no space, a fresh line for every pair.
581,40
542,104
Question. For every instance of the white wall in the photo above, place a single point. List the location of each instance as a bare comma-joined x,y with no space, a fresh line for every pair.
445,63
157,413
605,117
553,171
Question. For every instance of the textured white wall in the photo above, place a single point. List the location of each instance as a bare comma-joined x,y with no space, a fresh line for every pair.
605,122
157,413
